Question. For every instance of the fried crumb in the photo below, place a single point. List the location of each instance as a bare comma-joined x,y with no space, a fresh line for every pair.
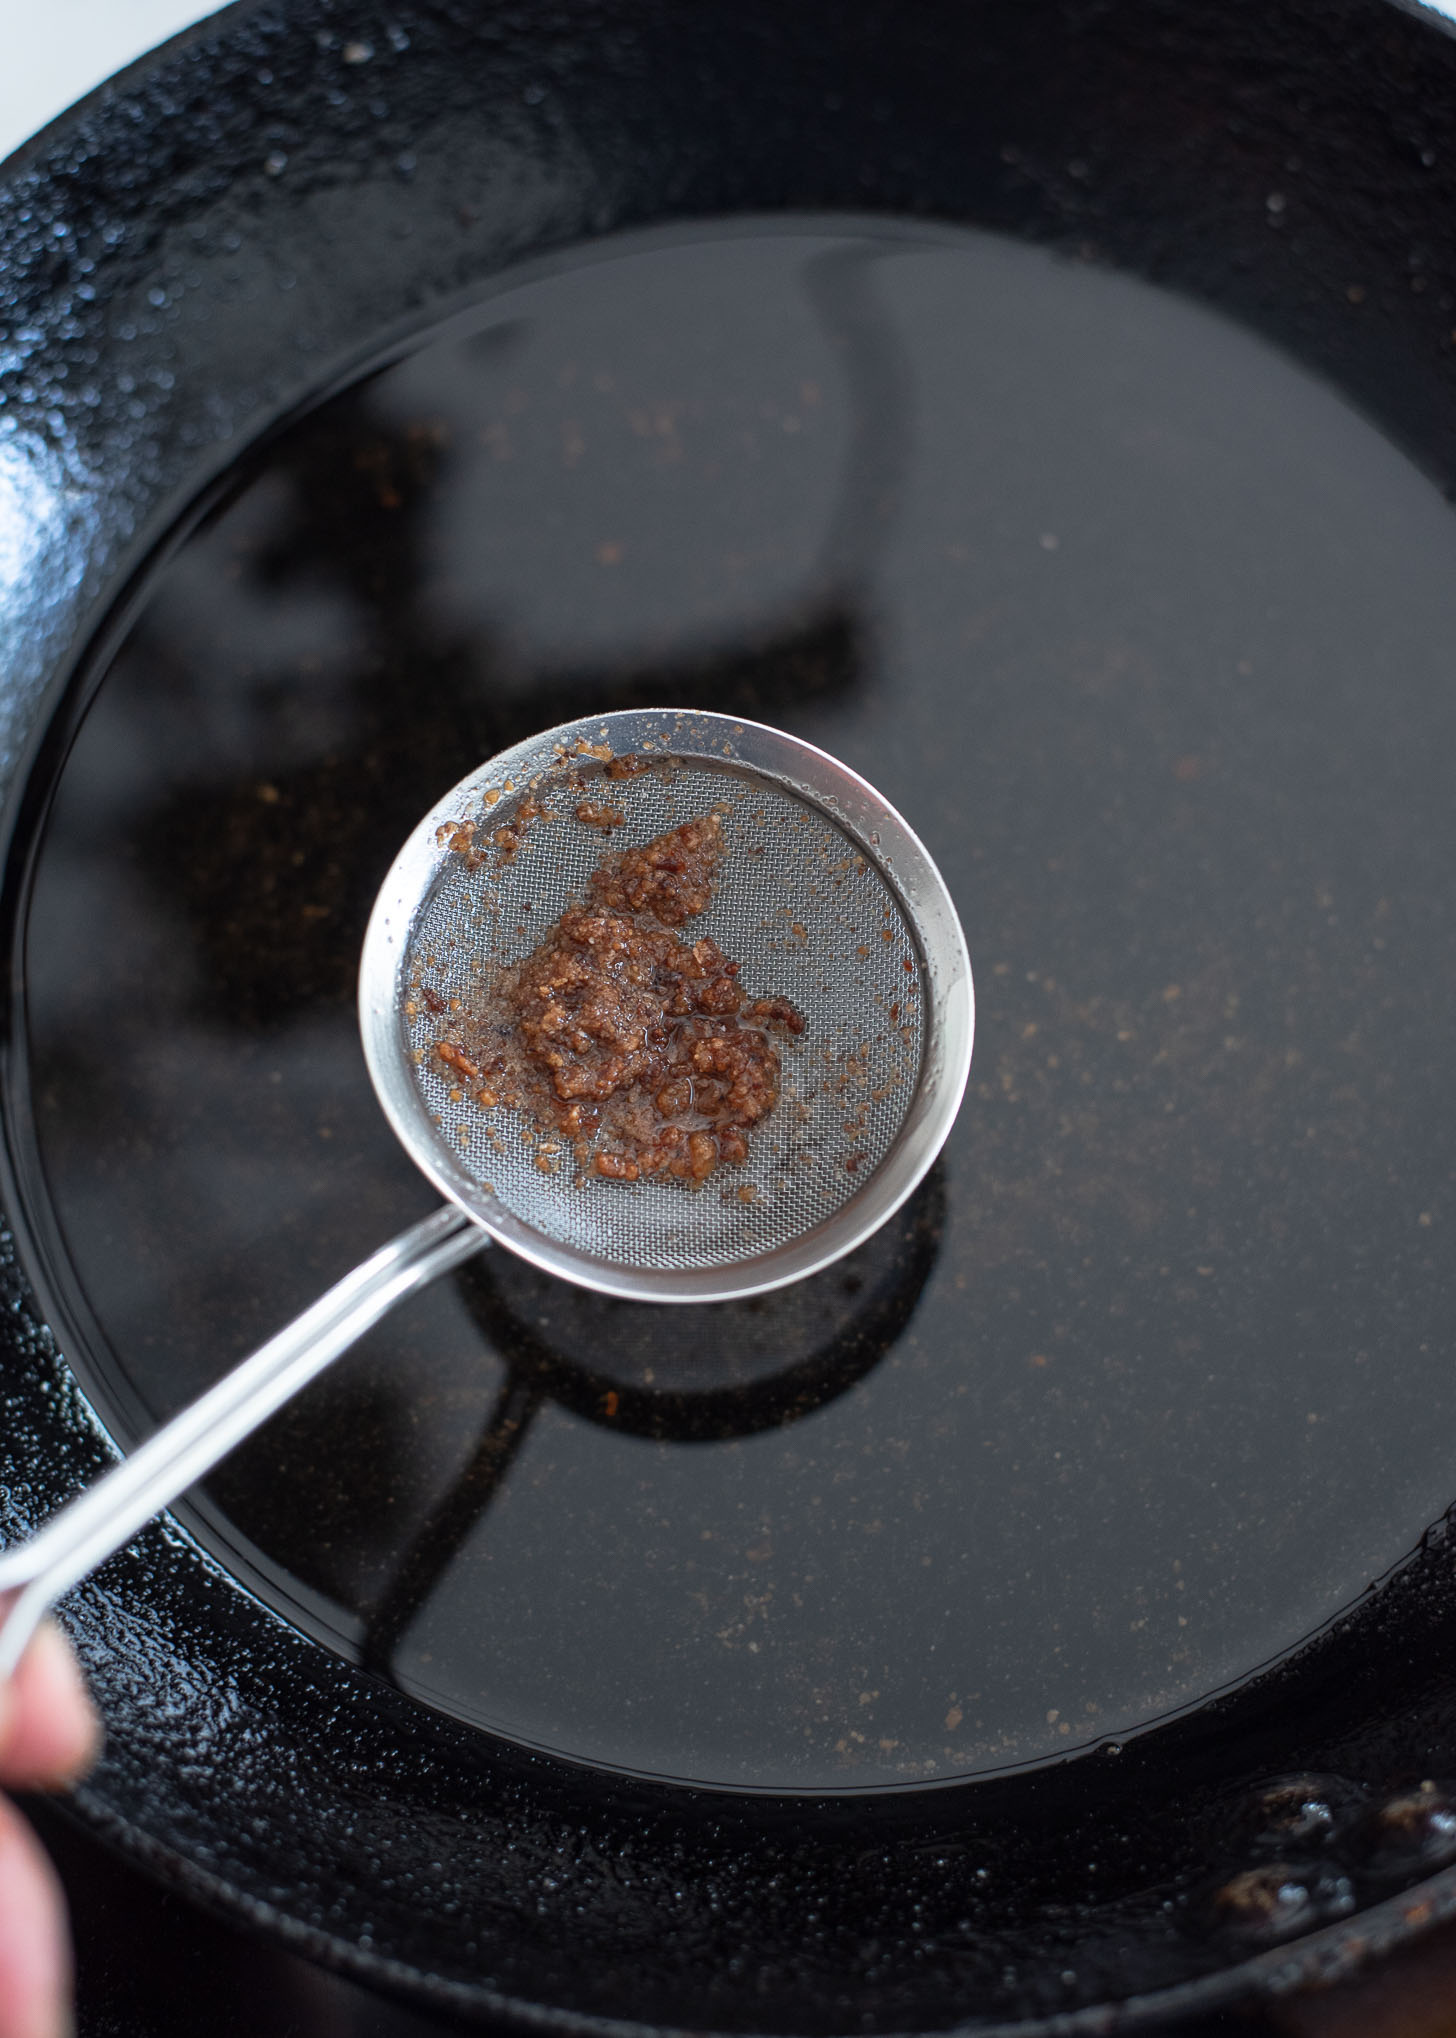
671,878
592,814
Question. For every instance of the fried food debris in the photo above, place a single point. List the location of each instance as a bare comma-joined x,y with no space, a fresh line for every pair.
638,1044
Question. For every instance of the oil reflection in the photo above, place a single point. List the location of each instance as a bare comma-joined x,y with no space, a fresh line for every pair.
330,563
299,686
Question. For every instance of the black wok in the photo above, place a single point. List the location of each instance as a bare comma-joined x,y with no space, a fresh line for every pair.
244,224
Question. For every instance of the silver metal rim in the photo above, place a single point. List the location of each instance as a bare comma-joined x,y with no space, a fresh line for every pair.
807,773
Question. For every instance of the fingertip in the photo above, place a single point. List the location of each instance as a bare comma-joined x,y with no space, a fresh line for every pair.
49,1730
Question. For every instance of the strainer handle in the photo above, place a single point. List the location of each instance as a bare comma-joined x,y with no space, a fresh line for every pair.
107,1515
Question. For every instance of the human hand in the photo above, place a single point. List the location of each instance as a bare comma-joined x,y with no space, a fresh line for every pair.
49,1735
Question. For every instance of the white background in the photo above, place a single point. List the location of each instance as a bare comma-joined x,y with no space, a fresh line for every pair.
55,50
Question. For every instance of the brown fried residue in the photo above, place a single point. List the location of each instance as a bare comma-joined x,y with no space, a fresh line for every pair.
671,878
594,814
639,1045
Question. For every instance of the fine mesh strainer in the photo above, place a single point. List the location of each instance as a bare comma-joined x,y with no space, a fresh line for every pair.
824,897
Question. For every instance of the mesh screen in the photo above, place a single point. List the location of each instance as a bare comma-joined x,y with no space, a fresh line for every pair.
804,914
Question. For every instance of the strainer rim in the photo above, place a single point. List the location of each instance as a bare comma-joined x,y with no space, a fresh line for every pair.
802,771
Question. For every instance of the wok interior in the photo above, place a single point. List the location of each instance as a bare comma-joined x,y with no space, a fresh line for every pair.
1163,146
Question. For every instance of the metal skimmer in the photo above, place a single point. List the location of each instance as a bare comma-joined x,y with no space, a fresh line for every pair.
825,896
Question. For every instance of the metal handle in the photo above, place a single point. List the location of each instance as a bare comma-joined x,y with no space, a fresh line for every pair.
99,1521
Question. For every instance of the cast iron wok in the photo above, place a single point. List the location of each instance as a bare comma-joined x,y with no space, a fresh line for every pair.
146,342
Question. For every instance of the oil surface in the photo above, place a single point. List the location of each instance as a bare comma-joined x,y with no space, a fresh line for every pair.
1147,634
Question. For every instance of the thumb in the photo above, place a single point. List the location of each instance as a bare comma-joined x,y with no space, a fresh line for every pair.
35,1958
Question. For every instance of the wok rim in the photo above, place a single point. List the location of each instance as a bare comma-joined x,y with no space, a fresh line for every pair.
1313,1961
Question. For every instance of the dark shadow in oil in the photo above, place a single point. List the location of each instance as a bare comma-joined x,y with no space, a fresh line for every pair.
697,1375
